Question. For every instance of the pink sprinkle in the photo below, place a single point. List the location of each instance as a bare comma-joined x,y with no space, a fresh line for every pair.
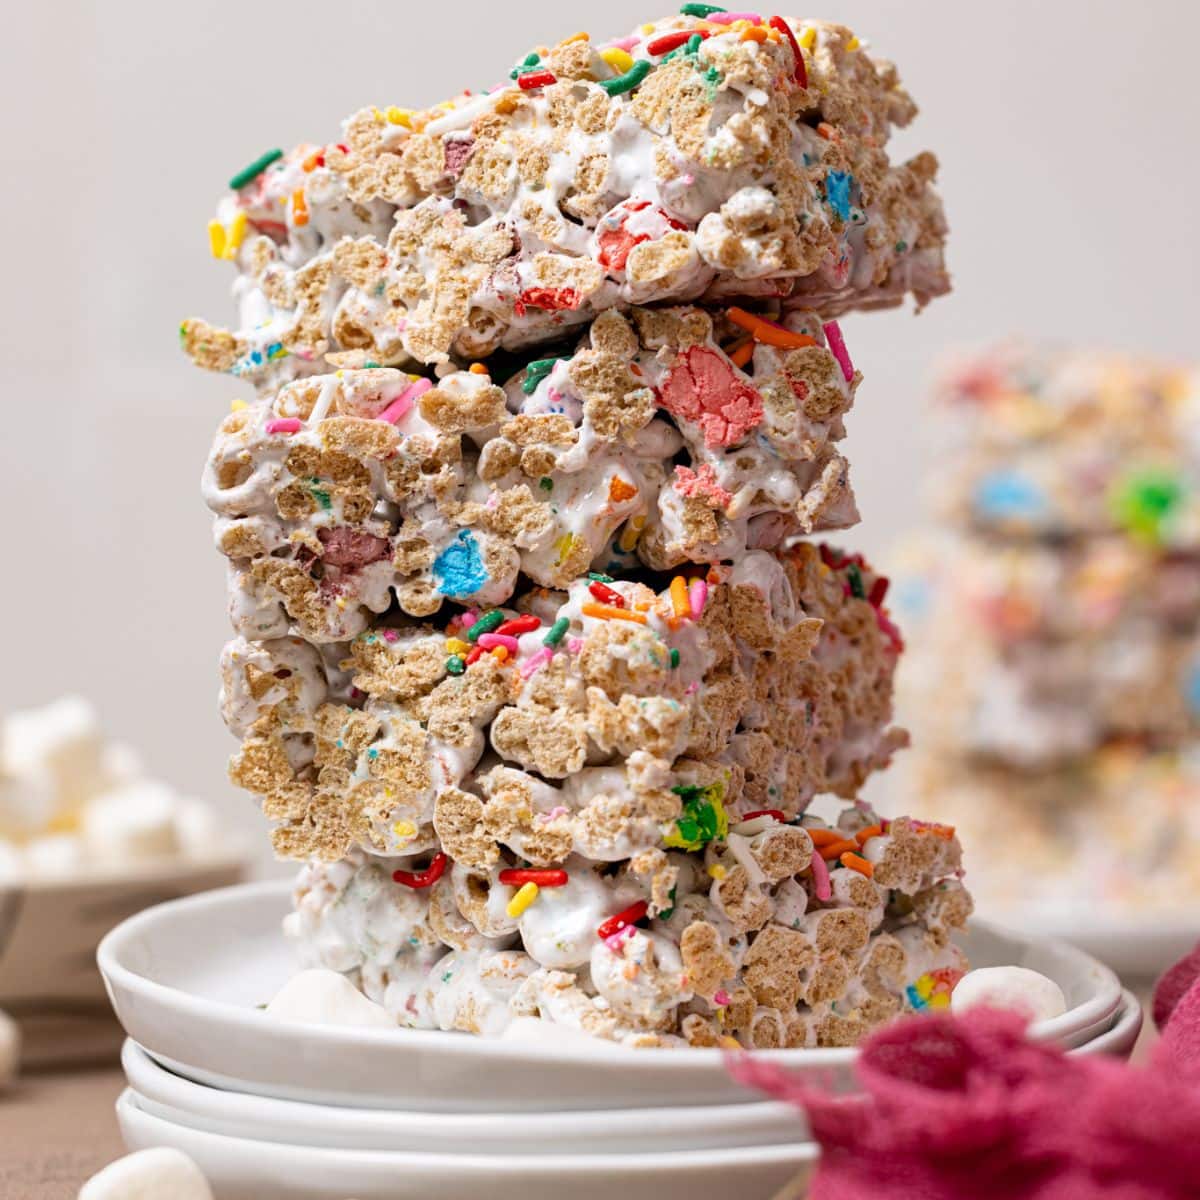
837,347
727,18
615,940
489,641
575,644
722,997
691,689
626,43
820,876
285,425
543,656
404,401
698,596
559,810
469,618
390,635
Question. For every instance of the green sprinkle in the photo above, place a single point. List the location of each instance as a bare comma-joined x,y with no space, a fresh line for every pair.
535,372
485,624
557,632
598,577
700,10
255,169
674,659
667,913
901,246
546,483
854,575
693,44
455,665
322,498
628,81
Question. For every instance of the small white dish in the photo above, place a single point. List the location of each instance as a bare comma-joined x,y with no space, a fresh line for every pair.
248,1169
185,979
1120,1039
163,1094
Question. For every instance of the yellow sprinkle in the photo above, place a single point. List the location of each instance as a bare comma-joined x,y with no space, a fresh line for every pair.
853,43
237,405
237,231
620,60
446,104
679,597
717,871
525,896
808,38
500,653
457,646
216,238
632,534
404,830
730,1043
399,116
648,28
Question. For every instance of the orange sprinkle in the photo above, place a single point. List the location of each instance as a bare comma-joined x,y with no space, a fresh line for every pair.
753,33
500,653
619,490
477,369
312,161
680,602
742,353
299,208
607,612
768,332
827,131
865,835
837,849
824,837
575,37
856,862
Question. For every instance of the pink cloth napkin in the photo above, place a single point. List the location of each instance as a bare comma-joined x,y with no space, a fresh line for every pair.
964,1108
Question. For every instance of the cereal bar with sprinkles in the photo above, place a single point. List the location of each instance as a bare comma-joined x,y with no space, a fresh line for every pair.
617,717
664,437
784,933
710,157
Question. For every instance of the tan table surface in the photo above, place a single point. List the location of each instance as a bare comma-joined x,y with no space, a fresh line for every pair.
56,1130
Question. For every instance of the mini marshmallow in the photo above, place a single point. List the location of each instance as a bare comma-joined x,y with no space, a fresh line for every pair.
12,867
131,823
10,1050
62,740
158,1174
27,803
197,828
1018,989
322,997
55,854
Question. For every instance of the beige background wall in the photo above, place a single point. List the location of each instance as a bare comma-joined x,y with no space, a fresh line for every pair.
1066,129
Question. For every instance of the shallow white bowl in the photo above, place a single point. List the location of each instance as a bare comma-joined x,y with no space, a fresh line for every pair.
247,1169
1120,1039
185,978
163,1094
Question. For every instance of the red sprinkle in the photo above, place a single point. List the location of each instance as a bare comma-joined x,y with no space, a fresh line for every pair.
519,875
672,41
536,79
765,812
879,590
426,878
475,655
784,28
606,595
631,915
526,623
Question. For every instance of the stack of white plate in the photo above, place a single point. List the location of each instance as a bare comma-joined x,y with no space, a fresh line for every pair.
273,1110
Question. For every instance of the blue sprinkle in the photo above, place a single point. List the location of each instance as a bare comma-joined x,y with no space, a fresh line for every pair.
1008,494
837,192
459,569
1193,688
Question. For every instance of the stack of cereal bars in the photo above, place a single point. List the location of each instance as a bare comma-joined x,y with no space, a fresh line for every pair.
1055,679
536,669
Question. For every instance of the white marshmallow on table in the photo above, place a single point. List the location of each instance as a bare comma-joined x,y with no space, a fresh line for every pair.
10,1050
12,865
27,802
158,1174
322,997
1017,989
198,829
136,821
61,740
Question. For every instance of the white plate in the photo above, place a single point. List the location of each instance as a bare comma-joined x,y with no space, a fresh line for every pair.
245,1169
1122,1037
608,1131
185,978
